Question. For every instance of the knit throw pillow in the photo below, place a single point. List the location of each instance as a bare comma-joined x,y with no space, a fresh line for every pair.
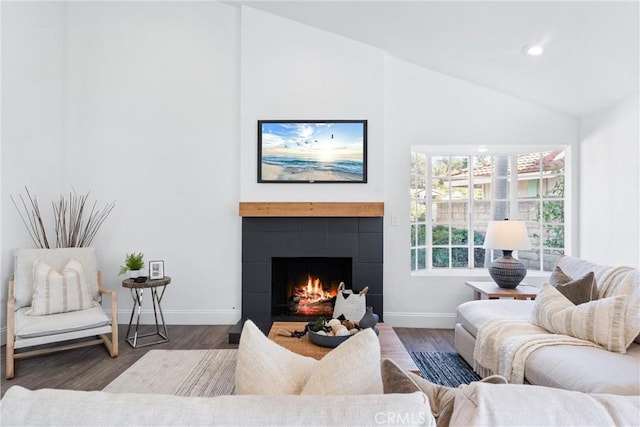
600,321
265,367
55,292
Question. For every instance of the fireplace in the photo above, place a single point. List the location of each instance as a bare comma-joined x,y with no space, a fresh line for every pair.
268,240
306,287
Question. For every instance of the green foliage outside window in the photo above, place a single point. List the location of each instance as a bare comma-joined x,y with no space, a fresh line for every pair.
440,256
552,215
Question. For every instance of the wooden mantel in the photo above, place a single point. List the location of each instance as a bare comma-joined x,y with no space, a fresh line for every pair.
311,209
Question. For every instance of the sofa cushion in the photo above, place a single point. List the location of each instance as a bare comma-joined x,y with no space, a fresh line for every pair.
55,292
20,406
587,369
473,314
529,405
600,321
265,367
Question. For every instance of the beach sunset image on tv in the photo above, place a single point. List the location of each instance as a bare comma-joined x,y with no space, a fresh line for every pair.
312,151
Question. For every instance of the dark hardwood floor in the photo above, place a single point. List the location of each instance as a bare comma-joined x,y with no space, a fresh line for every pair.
91,368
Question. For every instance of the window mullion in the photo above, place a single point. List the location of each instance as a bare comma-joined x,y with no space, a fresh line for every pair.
428,195
513,193
470,225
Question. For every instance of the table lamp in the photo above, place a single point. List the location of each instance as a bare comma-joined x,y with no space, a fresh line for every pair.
507,236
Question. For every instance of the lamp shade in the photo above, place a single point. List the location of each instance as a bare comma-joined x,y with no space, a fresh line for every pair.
507,235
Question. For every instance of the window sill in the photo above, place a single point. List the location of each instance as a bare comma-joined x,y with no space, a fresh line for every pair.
480,273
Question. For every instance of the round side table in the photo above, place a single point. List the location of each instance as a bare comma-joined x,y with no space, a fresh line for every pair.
137,292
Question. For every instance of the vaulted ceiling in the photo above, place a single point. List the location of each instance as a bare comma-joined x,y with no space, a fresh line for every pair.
591,52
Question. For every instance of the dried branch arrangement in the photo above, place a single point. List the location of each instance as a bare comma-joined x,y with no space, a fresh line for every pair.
71,227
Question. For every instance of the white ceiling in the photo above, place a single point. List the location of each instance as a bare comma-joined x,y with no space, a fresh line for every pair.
591,54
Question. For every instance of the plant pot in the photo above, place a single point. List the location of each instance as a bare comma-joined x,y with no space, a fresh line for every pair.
135,273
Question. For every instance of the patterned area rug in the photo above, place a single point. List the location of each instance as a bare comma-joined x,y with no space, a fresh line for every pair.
448,369
179,372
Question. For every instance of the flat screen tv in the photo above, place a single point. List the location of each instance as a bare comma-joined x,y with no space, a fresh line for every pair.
312,151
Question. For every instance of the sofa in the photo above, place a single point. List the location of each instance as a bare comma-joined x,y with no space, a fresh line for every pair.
408,401
350,386
584,368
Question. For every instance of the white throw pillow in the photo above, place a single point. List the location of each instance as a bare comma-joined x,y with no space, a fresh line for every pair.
600,321
351,368
59,293
265,367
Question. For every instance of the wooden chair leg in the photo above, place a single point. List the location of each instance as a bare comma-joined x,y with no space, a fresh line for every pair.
11,308
10,362
114,341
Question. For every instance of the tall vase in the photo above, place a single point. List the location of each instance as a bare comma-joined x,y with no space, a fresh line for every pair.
369,320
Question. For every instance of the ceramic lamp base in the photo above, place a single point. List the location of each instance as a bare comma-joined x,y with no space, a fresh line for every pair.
507,271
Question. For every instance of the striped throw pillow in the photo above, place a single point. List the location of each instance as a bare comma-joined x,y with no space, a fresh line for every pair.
59,293
600,321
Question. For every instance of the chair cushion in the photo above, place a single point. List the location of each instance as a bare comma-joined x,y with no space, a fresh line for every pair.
59,293
56,258
35,326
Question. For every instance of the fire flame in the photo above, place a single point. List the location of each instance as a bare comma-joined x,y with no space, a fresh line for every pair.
312,299
312,292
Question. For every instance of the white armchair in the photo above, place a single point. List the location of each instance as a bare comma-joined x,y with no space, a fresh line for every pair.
28,327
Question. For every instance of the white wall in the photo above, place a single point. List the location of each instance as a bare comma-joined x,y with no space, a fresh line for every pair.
609,183
293,71
149,118
423,107
32,86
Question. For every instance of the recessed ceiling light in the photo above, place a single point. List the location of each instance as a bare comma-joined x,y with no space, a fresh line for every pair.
534,50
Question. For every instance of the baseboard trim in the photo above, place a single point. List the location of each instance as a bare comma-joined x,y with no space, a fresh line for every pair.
421,320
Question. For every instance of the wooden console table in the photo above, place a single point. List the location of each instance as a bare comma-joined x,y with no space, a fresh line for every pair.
493,291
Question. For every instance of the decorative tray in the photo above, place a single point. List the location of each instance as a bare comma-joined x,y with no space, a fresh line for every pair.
327,340
331,340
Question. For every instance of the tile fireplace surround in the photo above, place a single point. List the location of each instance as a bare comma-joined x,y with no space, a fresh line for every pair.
307,229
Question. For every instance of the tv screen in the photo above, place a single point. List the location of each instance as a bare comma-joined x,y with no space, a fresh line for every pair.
312,151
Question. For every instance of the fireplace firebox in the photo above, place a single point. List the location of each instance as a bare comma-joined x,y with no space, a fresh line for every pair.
306,287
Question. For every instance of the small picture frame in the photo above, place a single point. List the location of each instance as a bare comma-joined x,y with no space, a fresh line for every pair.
156,270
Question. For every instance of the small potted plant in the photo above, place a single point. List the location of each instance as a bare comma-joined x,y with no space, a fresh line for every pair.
133,263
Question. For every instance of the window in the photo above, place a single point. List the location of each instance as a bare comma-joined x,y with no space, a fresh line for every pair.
453,197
